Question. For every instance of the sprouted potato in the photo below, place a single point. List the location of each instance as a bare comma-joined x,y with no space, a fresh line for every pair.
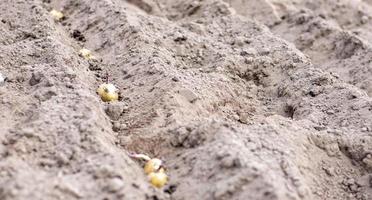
158,179
153,165
108,92
57,15
154,169
87,54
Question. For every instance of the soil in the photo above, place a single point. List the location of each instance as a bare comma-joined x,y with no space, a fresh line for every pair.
242,99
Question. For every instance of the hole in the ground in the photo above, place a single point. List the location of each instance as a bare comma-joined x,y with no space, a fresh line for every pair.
77,35
170,189
289,111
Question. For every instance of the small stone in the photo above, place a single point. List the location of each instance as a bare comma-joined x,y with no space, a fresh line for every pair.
2,90
36,78
368,161
117,126
365,129
244,118
332,149
199,53
329,171
248,41
49,83
28,132
115,184
158,42
330,112
104,172
320,128
302,191
188,94
239,41
353,188
248,52
62,158
364,19
264,51
248,60
180,38
236,117
125,108
2,79
20,147
180,50
230,162
349,181
175,79
114,110
69,188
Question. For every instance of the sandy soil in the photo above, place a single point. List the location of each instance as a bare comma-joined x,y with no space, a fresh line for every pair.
243,99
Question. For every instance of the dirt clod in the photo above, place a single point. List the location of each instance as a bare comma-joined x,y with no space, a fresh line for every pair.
2,79
36,78
115,109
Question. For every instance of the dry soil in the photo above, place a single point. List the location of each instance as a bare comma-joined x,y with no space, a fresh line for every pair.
242,99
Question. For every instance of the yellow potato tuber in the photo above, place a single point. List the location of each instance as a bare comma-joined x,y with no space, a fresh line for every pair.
158,179
57,15
108,92
153,165
87,54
